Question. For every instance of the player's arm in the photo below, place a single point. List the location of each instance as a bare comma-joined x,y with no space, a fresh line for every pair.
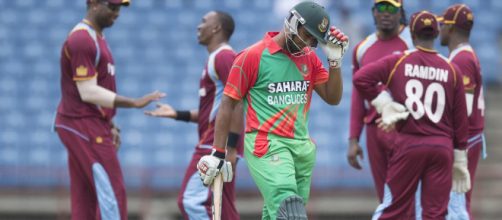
461,121
235,132
366,81
367,78
356,124
93,93
331,91
461,177
164,110
224,118
334,48
464,62
82,53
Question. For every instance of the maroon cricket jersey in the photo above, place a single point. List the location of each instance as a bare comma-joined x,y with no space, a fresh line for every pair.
367,51
467,61
428,85
212,83
81,60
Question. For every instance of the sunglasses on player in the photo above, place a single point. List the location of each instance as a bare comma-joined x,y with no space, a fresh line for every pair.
384,7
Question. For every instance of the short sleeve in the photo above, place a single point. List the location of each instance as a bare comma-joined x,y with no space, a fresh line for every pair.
242,75
81,51
321,75
223,63
464,61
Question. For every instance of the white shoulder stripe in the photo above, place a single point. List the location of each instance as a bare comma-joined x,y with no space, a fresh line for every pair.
455,52
364,46
211,62
443,57
405,36
213,75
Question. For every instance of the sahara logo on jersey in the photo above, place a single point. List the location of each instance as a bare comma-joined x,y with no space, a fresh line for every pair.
296,92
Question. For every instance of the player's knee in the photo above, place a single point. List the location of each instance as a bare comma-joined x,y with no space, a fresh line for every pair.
292,208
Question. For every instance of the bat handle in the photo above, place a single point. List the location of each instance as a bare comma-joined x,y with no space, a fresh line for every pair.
217,187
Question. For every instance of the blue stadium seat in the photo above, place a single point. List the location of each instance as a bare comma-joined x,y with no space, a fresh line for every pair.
154,44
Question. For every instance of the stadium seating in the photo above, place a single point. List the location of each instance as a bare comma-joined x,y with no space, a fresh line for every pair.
155,48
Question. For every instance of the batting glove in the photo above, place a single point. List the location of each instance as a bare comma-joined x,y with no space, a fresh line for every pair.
227,172
391,111
461,176
209,167
335,47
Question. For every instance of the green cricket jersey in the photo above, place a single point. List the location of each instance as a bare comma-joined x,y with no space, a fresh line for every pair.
276,88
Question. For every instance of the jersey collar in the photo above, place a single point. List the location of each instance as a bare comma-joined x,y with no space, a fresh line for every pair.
425,49
272,46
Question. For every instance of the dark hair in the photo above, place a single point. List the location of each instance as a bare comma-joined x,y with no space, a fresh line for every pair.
404,20
227,23
427,34
461,31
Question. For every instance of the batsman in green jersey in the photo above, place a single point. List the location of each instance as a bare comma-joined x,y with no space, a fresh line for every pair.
275,78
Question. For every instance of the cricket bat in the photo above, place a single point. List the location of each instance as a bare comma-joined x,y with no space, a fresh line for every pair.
217,196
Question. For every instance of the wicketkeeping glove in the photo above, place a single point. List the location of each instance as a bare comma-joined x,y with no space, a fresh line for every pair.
461,176
209,167
335,47
391,111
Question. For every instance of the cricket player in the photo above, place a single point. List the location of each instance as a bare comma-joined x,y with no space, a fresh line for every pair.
194,199
275,79
391,36
425,95
84,120
456,24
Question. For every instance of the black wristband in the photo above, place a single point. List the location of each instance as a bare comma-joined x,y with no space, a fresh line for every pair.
218,154
233,139
183,116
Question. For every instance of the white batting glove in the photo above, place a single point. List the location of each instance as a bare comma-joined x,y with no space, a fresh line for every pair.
461,176
391,111
335,47
209,166
227,172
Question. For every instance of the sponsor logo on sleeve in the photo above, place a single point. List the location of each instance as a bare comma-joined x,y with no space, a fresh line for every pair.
82,71
466,80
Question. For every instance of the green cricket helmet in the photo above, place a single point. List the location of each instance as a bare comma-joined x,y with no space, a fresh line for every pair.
312,16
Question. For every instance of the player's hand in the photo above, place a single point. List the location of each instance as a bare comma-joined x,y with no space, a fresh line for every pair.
116,137
209,166
145,100
227,171
231,156
391,111
336,46
385,127
162,110
354,152
461,176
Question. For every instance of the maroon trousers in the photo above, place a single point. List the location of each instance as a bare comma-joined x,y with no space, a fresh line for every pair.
96,182
379,147
415,159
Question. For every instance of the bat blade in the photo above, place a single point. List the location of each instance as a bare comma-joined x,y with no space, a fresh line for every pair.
217,196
